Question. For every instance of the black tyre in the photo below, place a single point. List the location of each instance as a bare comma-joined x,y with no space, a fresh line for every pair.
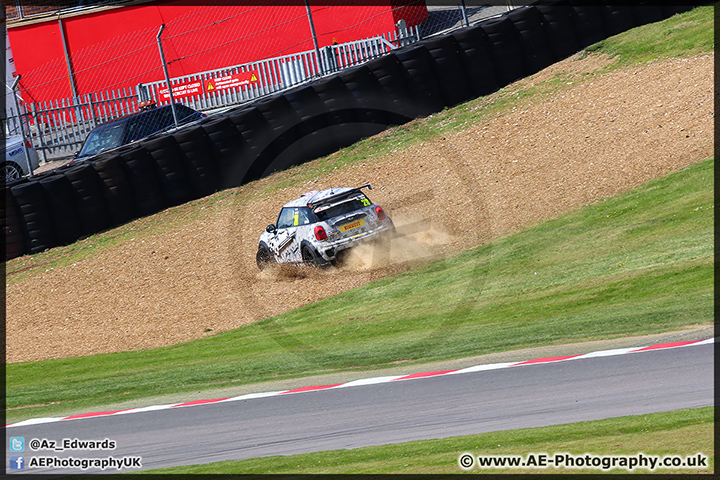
476,60
645,14
287,129
264,258
393,94
35,220
227,149
312,258
12,171
116,187
89,198
197,154
142,171
505,50
280,116
255,136
447,65
342,112
533,40
589,26
11,225
171,171
419,71
560,29
670,10
59,193
617,18
371,110
313,113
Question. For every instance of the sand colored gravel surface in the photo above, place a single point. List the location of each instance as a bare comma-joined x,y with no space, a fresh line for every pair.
596,138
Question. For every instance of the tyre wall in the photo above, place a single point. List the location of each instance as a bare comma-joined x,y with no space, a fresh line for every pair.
306,122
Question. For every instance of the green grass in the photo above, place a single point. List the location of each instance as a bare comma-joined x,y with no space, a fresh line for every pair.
683,432
635,264
640,263
688,34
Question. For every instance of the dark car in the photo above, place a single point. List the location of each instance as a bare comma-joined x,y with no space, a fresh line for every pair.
134,127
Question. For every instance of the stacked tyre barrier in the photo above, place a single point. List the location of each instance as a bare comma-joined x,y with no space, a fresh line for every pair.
306,122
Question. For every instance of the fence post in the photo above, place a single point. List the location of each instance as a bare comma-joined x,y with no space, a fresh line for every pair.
331,59
167,76
143,92
403,34
22,129
40,131
68,63
92,109
463,9
314,37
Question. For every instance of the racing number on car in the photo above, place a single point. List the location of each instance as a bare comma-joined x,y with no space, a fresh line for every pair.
365,202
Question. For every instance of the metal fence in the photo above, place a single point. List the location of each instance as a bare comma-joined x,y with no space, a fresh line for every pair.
59,127
240,83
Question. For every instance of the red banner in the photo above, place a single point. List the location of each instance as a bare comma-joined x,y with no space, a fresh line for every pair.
182,90
231,81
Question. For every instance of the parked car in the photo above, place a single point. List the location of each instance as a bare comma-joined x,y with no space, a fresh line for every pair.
16,163
320,225
136,126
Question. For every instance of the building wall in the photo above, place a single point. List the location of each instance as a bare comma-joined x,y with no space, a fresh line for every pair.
112,48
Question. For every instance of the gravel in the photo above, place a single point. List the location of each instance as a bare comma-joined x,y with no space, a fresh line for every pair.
601,136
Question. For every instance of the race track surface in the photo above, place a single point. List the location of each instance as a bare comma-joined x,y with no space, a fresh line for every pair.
531,395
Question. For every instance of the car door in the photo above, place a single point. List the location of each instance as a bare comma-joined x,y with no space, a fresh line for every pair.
284,244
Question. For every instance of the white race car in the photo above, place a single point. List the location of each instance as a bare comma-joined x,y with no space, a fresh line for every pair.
318,227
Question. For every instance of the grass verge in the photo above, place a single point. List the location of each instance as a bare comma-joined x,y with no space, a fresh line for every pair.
683,432
635,264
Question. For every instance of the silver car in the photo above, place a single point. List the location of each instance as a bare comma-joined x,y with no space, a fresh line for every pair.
16,164
317,228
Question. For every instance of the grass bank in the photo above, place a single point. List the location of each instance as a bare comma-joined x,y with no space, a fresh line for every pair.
634,264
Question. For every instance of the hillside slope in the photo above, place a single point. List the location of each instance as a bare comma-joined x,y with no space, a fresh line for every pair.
600,135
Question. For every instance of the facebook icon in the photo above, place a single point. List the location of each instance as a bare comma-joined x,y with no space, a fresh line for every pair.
17,462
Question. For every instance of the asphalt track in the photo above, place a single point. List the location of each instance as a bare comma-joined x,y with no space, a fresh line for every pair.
424,408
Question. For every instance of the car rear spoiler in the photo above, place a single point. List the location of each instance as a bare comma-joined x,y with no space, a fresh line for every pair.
338,196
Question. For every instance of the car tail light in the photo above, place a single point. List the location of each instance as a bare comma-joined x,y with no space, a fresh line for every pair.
320,233
28,144
380,213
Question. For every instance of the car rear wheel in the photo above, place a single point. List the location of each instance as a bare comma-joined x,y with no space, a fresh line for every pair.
312,258
264,258
12,171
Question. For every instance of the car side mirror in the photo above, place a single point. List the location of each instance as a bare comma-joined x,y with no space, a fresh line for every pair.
270,229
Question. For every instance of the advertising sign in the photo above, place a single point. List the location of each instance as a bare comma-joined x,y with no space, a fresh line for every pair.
182,90
230,81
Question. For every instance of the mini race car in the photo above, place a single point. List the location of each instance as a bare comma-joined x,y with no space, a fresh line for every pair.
317,228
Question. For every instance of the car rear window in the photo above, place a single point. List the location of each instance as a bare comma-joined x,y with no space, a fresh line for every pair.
348,205
156,120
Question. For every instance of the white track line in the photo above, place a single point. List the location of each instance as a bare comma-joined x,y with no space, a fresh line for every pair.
371,381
